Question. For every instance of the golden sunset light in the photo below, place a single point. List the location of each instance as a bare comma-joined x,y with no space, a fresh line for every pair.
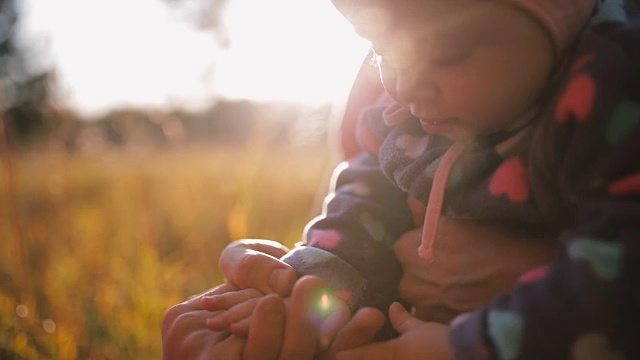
278,50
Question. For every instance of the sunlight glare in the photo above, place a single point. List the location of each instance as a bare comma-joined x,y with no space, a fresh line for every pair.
120,52
289,49
140,53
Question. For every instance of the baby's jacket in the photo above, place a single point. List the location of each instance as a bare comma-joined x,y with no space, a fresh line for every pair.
572,169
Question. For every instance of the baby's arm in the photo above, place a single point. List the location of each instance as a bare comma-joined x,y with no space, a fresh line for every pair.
350,246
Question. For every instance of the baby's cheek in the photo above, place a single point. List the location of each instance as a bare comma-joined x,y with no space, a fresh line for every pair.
466,96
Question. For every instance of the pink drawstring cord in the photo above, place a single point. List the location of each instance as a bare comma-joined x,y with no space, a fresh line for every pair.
434,206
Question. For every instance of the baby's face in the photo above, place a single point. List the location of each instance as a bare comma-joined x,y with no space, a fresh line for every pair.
463,67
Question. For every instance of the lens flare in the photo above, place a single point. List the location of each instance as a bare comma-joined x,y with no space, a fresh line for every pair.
324,305
323,308
325,302
328,313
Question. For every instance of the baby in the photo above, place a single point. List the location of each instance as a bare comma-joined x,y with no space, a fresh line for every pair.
519,113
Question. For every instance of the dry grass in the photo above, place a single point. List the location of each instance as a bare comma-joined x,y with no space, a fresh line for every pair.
94,249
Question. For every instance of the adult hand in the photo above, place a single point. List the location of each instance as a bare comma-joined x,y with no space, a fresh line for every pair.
475,261
254,263
300,331
314,317
360,330
185,335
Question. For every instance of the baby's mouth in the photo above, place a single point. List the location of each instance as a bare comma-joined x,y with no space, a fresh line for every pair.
445,126
432,122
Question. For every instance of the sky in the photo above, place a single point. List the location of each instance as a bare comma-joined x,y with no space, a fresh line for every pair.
112,53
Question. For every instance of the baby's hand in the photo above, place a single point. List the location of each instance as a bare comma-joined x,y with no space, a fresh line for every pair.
255,264
417,340
233,307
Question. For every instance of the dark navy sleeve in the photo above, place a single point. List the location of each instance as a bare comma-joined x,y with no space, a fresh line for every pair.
351,244
586,303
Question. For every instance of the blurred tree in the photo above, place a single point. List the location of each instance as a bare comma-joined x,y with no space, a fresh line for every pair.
25,90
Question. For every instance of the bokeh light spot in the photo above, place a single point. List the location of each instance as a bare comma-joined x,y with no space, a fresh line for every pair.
22,311
49,326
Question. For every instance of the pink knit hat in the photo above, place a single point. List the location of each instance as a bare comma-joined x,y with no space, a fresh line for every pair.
563,19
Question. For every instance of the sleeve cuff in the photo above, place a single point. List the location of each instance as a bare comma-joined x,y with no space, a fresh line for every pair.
466,336
343,278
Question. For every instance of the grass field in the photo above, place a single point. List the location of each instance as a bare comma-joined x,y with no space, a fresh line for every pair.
95,248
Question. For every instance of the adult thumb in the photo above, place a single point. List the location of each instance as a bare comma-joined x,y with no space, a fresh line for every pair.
255,263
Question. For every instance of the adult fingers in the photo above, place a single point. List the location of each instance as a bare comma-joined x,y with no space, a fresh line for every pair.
300,339
228,349
194,301
333,313
241,328
171,315
189,306
227,300
401,320
376,351
235,314
256,264
184,329
182,318
266,329
361,330
186,336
